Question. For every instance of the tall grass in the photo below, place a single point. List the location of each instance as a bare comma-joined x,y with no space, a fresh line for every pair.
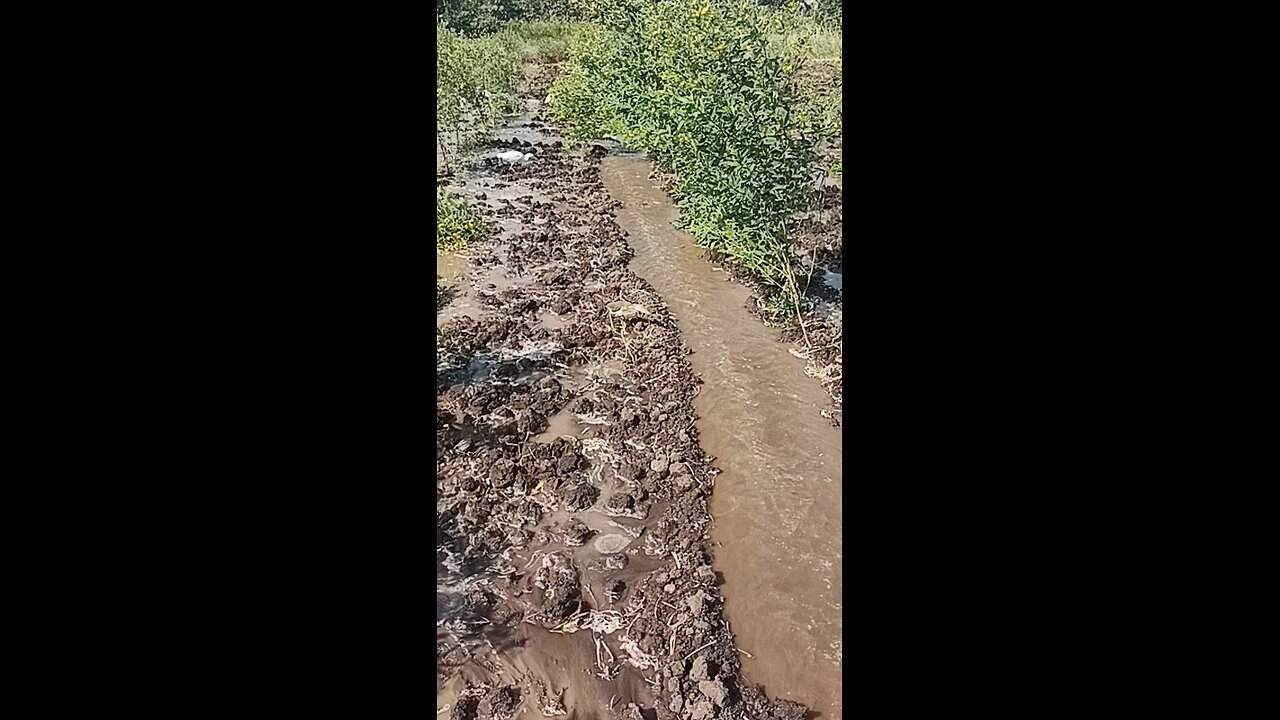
540,41
822,39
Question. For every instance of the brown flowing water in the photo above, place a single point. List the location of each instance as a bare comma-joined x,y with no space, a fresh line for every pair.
777,504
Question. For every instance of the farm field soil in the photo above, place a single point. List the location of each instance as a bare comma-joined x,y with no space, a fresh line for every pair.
574,565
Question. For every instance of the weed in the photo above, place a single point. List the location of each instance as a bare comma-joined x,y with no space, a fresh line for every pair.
456,224
822,38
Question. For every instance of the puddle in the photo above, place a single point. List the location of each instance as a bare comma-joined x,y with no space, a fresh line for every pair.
560,425
834,280
551,321
450,266
468,289
611,543
777,504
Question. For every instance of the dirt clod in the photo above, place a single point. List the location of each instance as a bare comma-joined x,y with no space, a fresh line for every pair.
579,496
715,690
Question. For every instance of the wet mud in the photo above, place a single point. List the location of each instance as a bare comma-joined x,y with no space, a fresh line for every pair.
575,571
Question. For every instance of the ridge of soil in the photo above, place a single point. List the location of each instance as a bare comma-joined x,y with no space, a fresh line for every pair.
573,568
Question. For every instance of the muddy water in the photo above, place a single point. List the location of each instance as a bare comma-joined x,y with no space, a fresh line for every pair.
833,279
776,505
450,266
468,279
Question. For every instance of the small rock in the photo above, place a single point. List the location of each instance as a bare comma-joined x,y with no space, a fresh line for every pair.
576,533
679,468
669,587
579,496
715,690
501,473
503,702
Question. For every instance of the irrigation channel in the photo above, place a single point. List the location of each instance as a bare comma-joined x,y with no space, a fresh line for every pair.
597,379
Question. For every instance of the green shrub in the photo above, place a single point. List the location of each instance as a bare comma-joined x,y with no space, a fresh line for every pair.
456,224
709,91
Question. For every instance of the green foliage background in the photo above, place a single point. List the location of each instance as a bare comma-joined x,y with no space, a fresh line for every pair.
474,18
709,89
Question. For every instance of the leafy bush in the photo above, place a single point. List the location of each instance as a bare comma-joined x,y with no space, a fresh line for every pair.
456,224
705,88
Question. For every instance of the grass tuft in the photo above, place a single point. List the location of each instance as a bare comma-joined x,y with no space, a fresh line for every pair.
456,224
